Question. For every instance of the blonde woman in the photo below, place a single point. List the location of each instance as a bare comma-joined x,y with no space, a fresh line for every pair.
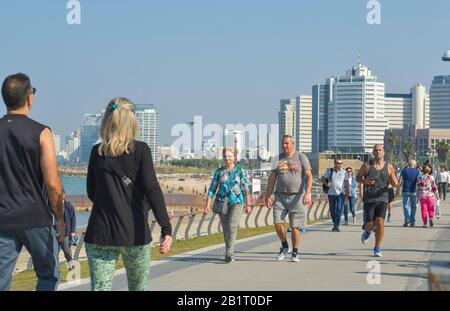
121,183
230,181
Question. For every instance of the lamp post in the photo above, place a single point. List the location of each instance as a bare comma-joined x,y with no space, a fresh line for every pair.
433,156
446,57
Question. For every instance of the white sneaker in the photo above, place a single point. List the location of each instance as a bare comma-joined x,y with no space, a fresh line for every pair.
282,254
295,257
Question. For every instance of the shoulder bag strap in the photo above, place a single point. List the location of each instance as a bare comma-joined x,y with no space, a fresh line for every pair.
123,176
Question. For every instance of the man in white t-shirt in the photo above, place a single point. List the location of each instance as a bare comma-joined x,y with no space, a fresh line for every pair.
443,179
333,179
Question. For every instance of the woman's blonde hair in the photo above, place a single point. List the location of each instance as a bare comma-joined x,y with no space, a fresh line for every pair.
119,128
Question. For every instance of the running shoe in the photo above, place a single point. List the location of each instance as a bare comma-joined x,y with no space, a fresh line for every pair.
389,218
302,229
431,223
282,254
377,252
365,237
295,257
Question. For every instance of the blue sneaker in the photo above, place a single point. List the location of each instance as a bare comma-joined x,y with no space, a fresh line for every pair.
377,252
365,237
302,229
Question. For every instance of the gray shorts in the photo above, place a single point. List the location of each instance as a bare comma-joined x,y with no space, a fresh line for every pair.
292,205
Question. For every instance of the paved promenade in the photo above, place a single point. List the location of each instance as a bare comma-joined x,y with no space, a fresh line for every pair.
329,261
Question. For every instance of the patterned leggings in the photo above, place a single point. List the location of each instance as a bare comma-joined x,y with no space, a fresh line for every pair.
102,265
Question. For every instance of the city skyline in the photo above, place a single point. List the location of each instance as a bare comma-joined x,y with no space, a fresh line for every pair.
397,110
192,59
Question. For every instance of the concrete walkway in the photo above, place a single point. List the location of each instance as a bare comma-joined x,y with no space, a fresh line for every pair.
329,261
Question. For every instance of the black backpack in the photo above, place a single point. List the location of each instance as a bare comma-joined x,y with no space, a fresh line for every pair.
324,187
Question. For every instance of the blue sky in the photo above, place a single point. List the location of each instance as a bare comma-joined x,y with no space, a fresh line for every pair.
230,61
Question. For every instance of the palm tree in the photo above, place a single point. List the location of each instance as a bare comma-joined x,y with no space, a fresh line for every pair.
392,138
442,149
408,150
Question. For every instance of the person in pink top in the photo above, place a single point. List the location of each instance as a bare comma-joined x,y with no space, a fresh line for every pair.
427,192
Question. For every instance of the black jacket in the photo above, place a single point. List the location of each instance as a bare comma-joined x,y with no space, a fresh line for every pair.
120,215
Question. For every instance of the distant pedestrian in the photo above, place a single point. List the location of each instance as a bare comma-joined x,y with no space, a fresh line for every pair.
391,198
231,185
428,163
408,181
428,195
30,190
292,196
376,178
122,185
70,233
333,180
443,179
350,195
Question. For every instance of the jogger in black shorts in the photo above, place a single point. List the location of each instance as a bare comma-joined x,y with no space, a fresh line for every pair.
376,177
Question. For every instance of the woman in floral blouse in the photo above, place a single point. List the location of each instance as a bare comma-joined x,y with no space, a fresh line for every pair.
427,192
230,181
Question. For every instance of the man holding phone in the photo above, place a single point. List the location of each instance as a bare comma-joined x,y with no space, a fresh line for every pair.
376,177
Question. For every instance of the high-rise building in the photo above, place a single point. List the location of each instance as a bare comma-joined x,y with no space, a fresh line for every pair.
239,144
287,118
427,112
403,110
322,94
398,110
73,146
440,102
303,123
148,122
356,120
57,142
419,96
294,119
228,139
90,134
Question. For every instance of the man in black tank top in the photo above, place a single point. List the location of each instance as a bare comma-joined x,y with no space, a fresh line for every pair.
376,177
30,189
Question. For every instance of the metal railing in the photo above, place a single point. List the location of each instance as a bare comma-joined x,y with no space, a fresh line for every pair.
198,224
